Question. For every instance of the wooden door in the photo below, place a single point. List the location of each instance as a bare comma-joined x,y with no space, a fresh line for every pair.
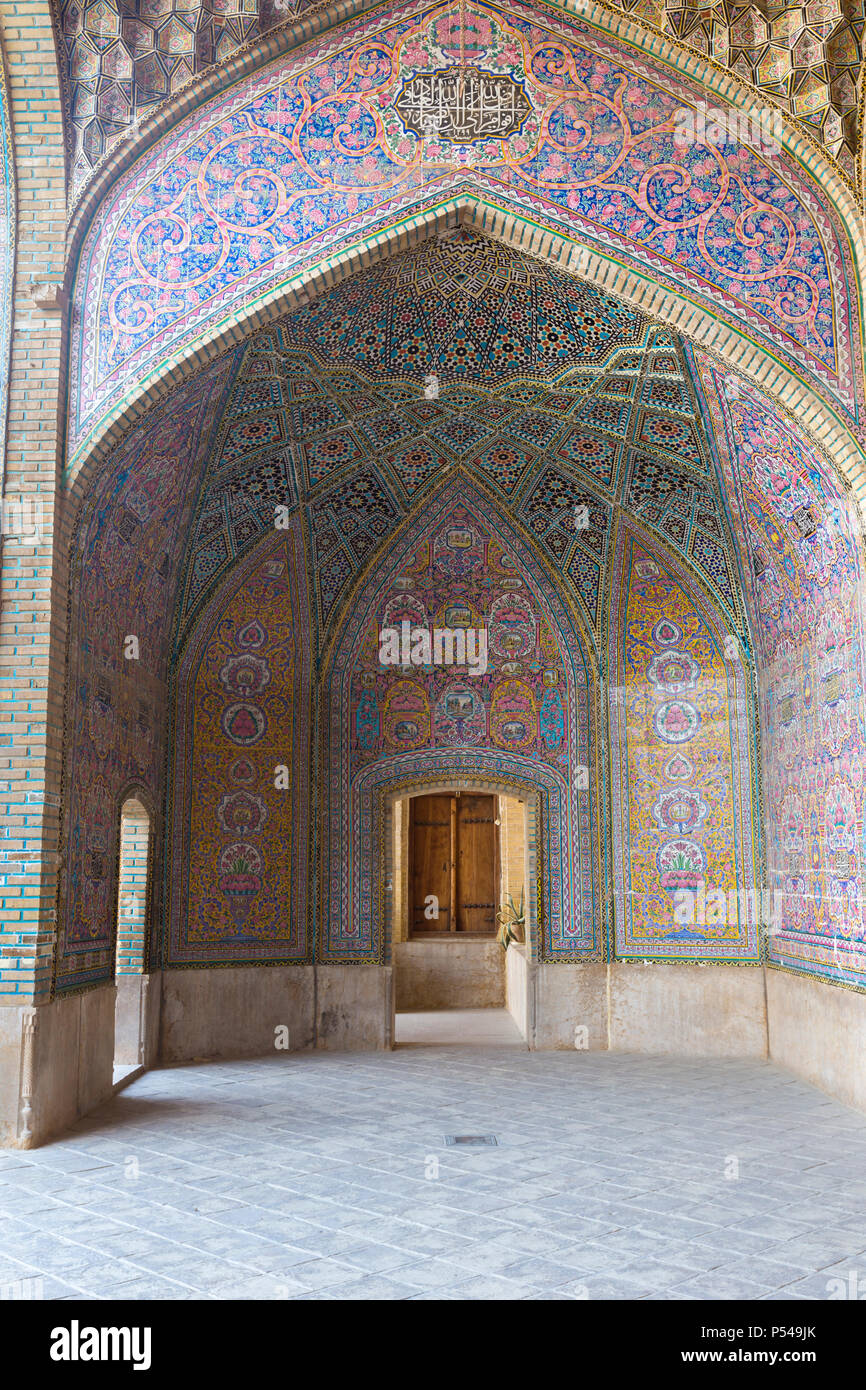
477,866
453,864
431,863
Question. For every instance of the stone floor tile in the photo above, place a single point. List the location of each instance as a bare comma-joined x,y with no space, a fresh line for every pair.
323,1274
593,1286
377,1259
374,1287
719,1284
539,1273
308,1173
486,1287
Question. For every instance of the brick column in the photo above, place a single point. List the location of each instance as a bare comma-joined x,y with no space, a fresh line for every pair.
32,575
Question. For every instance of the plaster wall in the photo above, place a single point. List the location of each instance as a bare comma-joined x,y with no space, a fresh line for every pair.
818,1032
517,987
448,975
400,880
512,847
354,1007
815,1030
564,998
72,1064
136,1020
688,1011
234,1012
661,1010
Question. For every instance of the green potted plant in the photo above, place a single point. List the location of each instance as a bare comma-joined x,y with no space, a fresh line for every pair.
512,921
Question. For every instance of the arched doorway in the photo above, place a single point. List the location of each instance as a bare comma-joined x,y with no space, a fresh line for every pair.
187,252
529,715
321,518
134,900
461,866
589,119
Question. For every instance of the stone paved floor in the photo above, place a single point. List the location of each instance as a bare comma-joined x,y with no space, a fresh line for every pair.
326,1176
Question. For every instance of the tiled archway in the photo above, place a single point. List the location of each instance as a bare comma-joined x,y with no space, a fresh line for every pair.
497,207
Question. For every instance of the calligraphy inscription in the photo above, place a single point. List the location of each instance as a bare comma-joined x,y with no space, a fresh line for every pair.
463,105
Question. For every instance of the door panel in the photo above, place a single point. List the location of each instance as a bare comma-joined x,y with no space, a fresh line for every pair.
477,866
430,861
454,857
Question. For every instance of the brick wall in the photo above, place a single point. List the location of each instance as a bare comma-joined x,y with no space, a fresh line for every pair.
133,887
512,847
32,579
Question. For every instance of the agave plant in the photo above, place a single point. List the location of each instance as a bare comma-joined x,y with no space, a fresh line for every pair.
512,919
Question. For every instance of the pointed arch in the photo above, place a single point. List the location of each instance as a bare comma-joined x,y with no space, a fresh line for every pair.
237,867
531,719
801,542
140,318
123,566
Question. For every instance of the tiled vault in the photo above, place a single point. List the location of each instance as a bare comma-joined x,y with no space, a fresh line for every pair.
562,402
458,375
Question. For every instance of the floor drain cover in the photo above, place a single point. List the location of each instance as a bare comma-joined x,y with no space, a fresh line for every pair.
474,1139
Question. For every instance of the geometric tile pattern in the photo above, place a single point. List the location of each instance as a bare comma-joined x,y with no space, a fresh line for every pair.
531,715
342,454
123,58
129,541
684,768
466,308
240,848
354,445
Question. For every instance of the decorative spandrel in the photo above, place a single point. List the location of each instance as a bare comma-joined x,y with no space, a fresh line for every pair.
301,164
463,105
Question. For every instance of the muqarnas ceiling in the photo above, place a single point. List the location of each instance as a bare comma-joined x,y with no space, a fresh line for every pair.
562,402
122,58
